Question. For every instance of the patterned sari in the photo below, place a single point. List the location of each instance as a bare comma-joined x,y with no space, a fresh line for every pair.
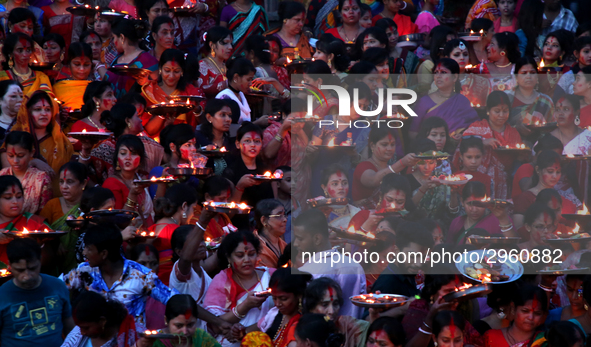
200,339
25,220
325,19
36,188
245,24
541,109
495,338
493,164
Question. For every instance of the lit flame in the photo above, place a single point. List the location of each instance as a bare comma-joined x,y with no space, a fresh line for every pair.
267,174
481,31
542,64
584,210
207,239
223,149
570,155
331,142
471,32
469,66
25,231
370,235
153,179
351,230
83,130
45,230
4,272
232,204
171,102
288,60
243,206
463,287
284,266
577,228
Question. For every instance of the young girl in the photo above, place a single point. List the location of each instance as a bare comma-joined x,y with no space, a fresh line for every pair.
582,51
507,21
436,130
36,183
471,153
365,20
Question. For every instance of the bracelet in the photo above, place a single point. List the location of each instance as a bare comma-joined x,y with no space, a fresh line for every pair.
285,93
424,331
199,226
206,7
505,230
422,192
98,66
131,203
83,158
427,325
390,167
235,312
161,117
405,5
506,226
278,138
453,210
240,190
544,288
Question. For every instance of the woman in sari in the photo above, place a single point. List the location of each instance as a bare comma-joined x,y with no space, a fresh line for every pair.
582,52
95,42
325,296
531,309
51,144
170,83
214,132
212,69
244,18
582,88
161,36
73,177
215,189
409,59
104,322
446,102
257,51
556,45
539,224
231,293
385,331
448,326
176,208
495,133
502,53
271,220
98,97
528,106
11,5
11,99
294,42
436,130
103,27
349,28
18,49
36,183
181,317
335,184
333,52
127,35
57,20
12,216
470,162
315,75
70,91
422,312
496,220
289,289
54,50
374,45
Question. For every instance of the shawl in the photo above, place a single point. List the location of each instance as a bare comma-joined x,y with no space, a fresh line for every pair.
266,323
70,92
200,339
165,251
456,111
242,103
483,9
256,339
245,24
108,51
61,149
122,84
325,19
541,109
303,45
355,330
267,257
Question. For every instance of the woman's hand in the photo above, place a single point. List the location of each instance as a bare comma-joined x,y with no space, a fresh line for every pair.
145,342
409,160
440,305
238,331
247,181
522,129
281,61
499,211
136,190
492,143
311,150
263,121
253,301
372,222
429,185
285,126
128,233
4,238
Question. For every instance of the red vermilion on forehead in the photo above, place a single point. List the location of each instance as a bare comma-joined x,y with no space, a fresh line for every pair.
546,217
339,174
147,250
391,137
452,328
188,314
535,303
65,174
13,189
399,194
554,202
244,241
330,293
23,41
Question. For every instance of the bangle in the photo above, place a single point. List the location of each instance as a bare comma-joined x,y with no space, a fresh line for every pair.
505,230
199,226
390,167
131,203
285,93
544,288
453,210
98,66
235,312
278,138
161,117
240,190
83,158
426,325
424,331
405,4
506,226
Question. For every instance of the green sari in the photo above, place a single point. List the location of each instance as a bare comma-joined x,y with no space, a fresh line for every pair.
68,241
200,339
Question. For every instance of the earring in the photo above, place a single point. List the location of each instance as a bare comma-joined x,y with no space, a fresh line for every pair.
212,53
117,167
129,125
235,81
577,120
98,105
501,315
330,64
284,21
503,53
10,62
62,56
586,307
326,193
229,265
435,343
184,214
300,305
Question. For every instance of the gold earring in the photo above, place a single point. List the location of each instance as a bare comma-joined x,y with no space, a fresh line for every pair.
300,305
213,53
330,64
62,56
129,125
98,105
117,167
503,53
10,62
284,21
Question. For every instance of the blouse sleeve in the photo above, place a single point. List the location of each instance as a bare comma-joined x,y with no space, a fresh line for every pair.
216,296
111,184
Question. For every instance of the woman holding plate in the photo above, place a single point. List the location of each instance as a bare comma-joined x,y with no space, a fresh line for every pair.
293,41
212,68
335,184
539,222
271,220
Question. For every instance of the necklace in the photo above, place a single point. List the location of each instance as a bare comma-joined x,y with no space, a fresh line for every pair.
222,72
23,76
174,220
346,37
291,43
242,285
501,66
94,124
279,332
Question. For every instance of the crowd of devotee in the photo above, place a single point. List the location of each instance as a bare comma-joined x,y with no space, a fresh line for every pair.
174,174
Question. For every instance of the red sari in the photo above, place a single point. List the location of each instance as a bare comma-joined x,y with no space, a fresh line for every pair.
121,192
25,220
210,80
493,164
165,251
154,94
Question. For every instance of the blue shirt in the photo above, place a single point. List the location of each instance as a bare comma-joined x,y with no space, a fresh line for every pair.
34,317
136,284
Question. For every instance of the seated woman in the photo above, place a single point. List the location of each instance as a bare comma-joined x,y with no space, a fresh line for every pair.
18,49
170,83
447,102
335,184
547,174
176,208
11,99
316,331
495,133
557,45
36,183
56,20
51,144
128,33
293,41
529,327
12,216
215,189
212,68
576,307
333,52
240,75
103,27
54,50
271,220
214,130
70,91
257,51
503,54
496,221
231,293
244,19
386,331
242,166
129,155
161,35
100,322
98,97
424,311
527,104
368,174
289,288
470,162
181,318
500,300
315,74
539,224
73,178
428,194
324,296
